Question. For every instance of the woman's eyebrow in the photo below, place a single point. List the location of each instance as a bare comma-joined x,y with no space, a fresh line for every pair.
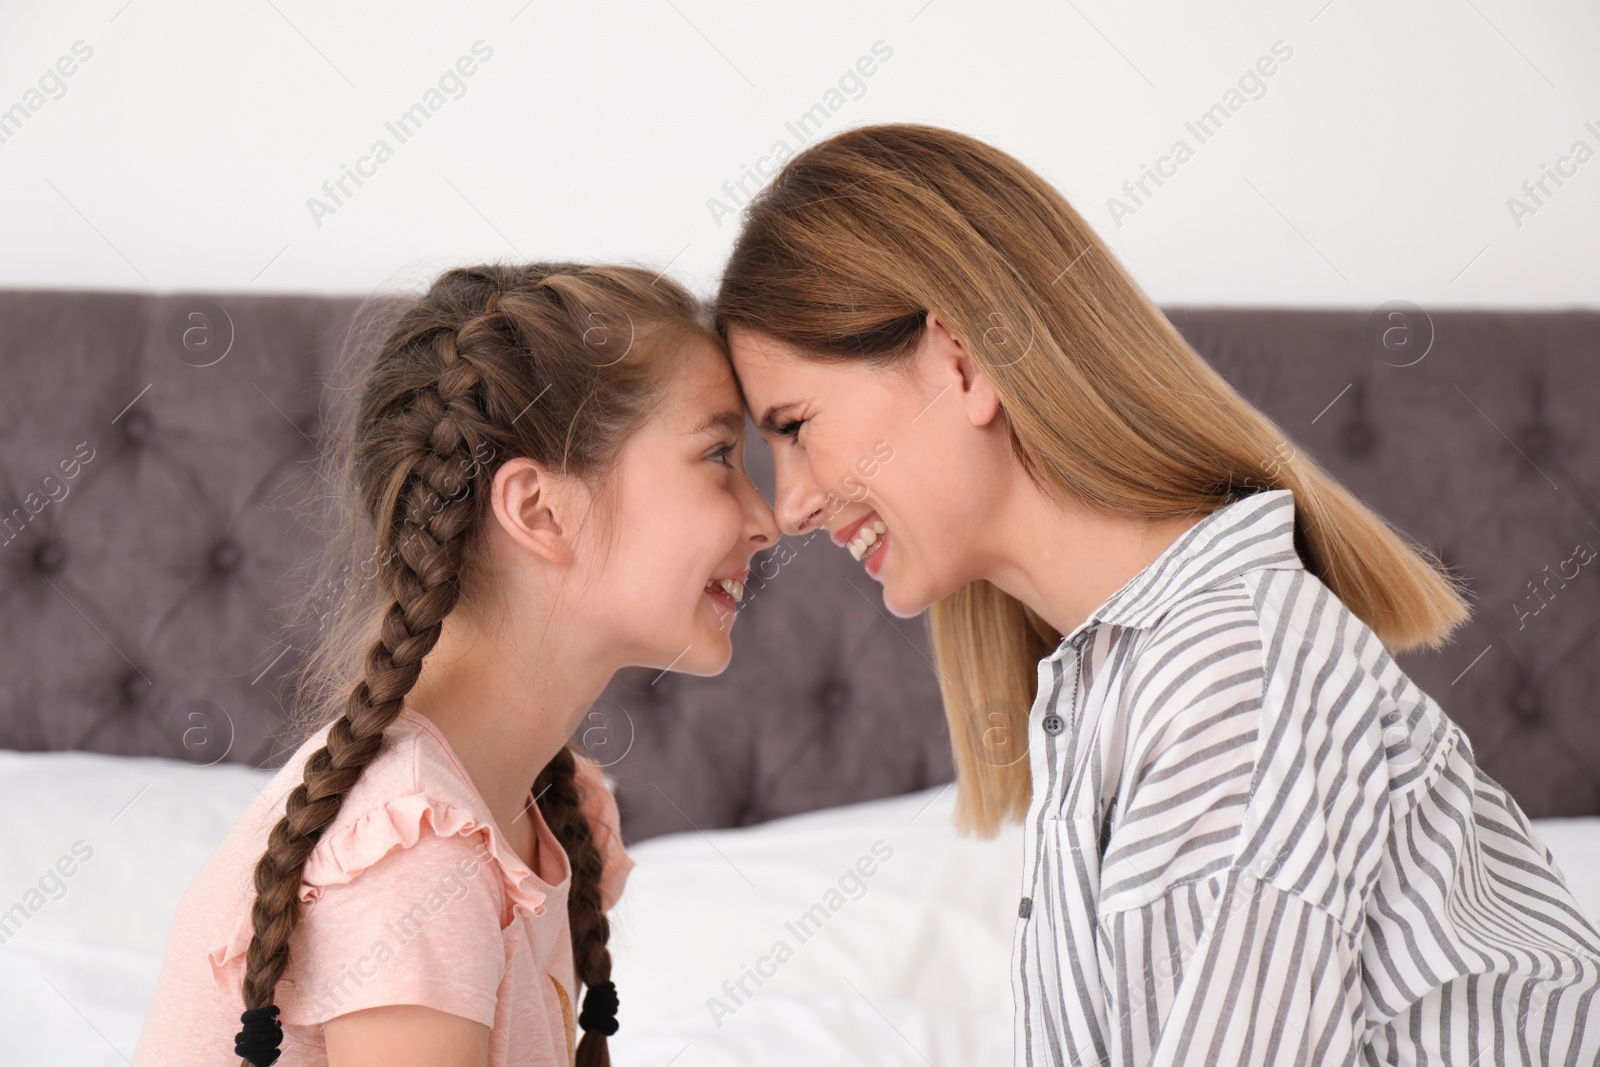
774,416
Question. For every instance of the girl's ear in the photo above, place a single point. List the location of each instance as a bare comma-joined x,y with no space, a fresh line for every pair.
953,363
533,506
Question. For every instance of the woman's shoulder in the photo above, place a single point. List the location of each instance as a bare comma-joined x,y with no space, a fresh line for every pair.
1265,623
1271,639
1213,638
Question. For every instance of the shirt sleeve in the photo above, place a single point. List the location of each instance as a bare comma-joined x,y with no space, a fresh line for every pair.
420,926
1232,970
1230,913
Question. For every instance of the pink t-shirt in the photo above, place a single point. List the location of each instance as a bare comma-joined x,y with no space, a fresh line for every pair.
412,896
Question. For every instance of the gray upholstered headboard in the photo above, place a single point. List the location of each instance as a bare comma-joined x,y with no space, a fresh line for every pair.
149,538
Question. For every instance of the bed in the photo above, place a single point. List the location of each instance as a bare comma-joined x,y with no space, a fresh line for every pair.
867,933
148,657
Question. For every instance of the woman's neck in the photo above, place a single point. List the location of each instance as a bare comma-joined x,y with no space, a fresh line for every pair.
1064,559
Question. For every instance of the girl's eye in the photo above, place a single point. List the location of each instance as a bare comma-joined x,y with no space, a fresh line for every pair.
721,454
791,429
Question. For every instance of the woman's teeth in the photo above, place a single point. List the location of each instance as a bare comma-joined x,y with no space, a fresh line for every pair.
861,545
729,586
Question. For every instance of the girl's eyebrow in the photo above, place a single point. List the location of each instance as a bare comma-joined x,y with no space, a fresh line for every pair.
721,422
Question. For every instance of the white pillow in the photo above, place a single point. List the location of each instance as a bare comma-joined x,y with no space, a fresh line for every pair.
92,866
870,928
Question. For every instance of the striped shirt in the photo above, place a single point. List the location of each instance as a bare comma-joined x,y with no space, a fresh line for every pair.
1253,840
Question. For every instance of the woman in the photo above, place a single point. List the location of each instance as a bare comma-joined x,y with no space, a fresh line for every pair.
1249,837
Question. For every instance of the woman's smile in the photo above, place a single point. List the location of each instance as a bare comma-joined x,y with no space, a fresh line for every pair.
866,538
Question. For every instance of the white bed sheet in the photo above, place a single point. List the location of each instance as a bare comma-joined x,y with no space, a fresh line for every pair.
906,964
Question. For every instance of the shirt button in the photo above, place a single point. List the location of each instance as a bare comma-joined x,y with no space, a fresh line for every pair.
1025,909
1054,724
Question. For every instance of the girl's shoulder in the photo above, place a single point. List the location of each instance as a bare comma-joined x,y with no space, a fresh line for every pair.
414,786
414,791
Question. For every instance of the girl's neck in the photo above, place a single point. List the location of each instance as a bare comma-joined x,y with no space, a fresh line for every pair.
504,715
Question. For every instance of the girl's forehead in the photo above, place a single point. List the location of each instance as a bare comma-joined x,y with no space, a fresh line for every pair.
702,391
701,366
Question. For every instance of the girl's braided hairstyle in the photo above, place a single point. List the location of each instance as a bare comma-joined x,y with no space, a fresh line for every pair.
558,362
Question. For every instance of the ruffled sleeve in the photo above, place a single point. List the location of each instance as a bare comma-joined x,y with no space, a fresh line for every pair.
606,825
432,884
359,843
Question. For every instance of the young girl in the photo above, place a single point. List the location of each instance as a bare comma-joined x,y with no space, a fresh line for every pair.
547,462
1249,837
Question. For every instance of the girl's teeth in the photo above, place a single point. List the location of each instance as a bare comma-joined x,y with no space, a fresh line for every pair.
733,589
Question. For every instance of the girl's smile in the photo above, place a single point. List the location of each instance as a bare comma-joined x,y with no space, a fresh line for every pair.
728,591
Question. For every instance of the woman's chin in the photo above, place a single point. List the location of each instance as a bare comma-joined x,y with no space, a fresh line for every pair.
903,603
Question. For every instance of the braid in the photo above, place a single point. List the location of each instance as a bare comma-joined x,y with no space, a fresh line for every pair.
561,805
423,559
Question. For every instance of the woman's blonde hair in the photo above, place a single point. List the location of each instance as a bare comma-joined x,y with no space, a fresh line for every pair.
858,237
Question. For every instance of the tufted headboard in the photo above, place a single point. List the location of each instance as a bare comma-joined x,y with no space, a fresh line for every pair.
153,519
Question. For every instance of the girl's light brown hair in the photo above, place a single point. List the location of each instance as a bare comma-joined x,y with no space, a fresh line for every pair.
559,362
859,236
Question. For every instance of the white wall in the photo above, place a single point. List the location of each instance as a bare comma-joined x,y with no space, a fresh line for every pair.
1376,162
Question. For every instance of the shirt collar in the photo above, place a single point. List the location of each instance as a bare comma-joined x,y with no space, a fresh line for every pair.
1255,533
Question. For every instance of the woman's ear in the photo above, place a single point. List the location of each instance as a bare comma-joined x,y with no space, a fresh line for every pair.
533,506
955,365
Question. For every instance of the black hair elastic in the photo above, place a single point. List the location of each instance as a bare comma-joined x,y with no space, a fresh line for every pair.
600,1008
259,1040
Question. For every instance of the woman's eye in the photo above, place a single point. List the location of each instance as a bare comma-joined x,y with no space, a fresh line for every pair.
791,429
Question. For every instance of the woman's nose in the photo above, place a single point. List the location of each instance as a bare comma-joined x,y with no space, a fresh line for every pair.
800,499
761,522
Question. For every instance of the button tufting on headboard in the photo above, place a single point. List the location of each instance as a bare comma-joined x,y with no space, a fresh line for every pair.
136,426
49,556
226,555
834,695
133,686
1528,703
1538,442
1359,438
